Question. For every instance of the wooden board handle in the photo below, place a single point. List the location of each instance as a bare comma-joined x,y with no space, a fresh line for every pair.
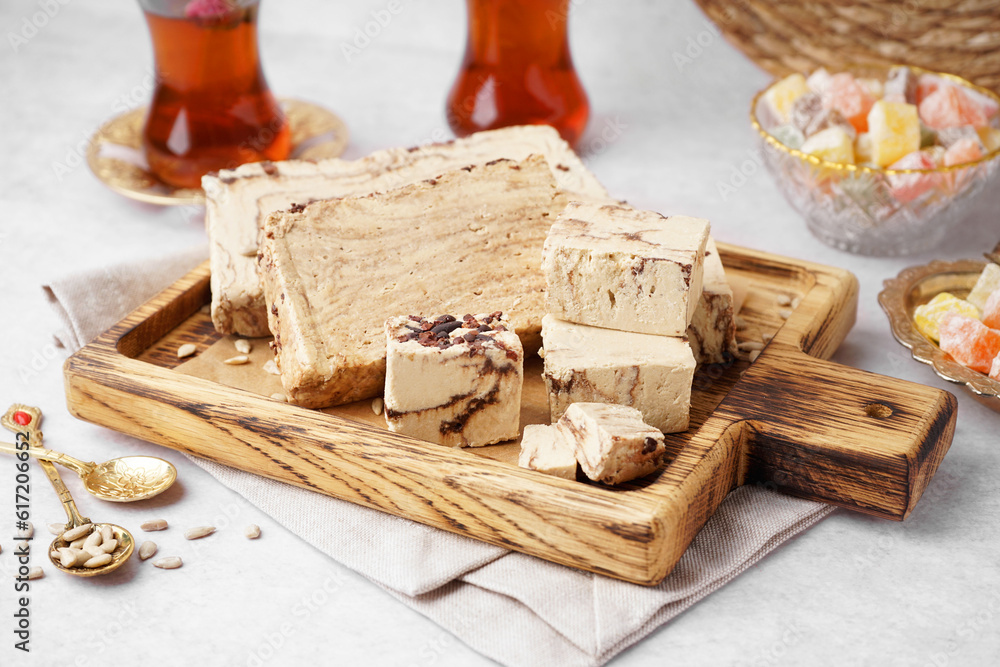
827,432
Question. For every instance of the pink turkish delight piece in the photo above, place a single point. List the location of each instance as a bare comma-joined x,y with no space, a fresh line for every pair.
950,106
964,150
851,99
907,187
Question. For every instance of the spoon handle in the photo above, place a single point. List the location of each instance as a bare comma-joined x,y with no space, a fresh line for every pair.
34,438
76,465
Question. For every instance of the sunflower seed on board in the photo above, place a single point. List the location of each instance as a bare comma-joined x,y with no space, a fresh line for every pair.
243,346
768,337
57,528
252,531
168,563
795,302
784,313
107,533
278,396
80,531
98,561
377,404
271,367
198,533
784,300
36,573
753,355
147,550
238,360
156,524
750,345
186,350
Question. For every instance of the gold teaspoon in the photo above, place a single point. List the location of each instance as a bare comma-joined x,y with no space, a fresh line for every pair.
25,420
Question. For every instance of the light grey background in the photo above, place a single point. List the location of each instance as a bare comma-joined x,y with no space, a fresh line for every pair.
851,591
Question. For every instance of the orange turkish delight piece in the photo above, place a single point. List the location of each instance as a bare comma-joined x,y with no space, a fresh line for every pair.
850,98
969,341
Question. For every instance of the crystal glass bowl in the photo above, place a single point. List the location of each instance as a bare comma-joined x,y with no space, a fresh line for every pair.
853,208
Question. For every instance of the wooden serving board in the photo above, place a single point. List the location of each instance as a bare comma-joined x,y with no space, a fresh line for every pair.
814,429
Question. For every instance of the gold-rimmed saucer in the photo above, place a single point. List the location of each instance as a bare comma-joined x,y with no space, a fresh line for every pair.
918,285
115,151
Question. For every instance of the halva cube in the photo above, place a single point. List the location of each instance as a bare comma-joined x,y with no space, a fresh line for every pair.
585,364
612,443
620,268
453,381
543,448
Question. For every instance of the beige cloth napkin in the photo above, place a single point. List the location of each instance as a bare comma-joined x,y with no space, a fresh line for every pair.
516,609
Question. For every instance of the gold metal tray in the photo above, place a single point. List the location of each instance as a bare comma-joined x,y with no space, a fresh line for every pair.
917,285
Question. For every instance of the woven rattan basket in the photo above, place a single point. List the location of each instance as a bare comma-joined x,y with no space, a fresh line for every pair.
784,36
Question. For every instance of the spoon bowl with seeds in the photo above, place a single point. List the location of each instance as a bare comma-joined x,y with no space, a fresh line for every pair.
84,549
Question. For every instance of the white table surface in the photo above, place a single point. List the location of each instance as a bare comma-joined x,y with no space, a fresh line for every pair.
853,590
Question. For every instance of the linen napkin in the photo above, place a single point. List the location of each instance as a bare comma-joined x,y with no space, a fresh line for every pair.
513,608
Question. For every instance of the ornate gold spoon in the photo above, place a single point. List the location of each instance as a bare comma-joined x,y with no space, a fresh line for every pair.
24,421
121,480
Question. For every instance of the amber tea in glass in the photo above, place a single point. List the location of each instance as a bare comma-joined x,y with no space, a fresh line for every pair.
211,108
518,70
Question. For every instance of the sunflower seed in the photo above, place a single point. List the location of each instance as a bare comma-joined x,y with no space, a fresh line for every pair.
94,550
768,337
168,563
238,360
377,405
80,531
749,345
271,367
57,528
784,300
199,532
784,313
27,532
77,544
252,531
93,540
36,573
147,550
207,308
795,302
98,561
753,355
109,546
243,346
107,533
740,323
156,524
278,396
67,557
